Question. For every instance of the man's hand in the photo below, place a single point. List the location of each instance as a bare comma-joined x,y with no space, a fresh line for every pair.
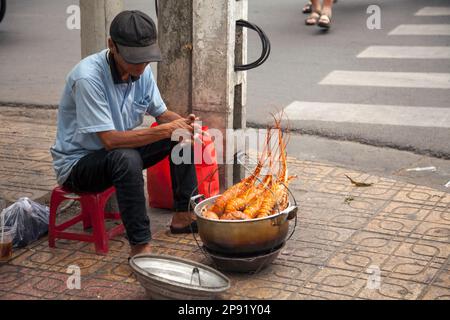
198,130
194,128
192,118
184,124
181,124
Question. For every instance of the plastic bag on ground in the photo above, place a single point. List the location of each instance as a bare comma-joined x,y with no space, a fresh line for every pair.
29,221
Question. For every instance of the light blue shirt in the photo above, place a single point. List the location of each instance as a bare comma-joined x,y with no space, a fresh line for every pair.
92,102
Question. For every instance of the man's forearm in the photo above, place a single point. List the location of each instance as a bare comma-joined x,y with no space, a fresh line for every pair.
167,117
134,138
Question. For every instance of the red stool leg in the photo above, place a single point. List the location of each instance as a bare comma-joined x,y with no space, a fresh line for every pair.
56,198
87,223
91,204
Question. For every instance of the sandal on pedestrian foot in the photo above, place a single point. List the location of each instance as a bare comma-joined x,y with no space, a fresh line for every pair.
324,21
313,18
307,8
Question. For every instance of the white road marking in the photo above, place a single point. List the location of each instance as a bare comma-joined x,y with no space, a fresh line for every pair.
434,11
433,169
388,79
369,114
405,52
422,30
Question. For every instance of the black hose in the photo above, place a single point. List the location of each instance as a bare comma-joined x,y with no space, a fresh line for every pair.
265,46
264,42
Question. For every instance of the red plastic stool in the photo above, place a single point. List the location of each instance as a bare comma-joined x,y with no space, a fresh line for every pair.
92,214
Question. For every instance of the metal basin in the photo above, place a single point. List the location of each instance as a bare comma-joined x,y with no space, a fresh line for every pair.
167,277
242,236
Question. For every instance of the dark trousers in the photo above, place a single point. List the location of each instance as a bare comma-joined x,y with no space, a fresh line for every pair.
122,168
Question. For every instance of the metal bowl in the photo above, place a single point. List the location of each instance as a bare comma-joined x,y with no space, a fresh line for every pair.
242,236
167,277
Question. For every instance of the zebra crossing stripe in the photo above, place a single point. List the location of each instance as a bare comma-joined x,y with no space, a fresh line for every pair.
405,52
422,30
388,79
368,114
433,12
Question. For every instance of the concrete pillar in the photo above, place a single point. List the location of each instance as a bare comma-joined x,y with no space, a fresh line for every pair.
218,92
175,41
203,81
96,17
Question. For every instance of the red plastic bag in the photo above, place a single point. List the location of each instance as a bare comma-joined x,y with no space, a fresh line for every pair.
159,183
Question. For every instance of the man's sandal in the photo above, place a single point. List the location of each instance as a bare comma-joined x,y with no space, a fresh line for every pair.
307,8
193,227
312,19
324,21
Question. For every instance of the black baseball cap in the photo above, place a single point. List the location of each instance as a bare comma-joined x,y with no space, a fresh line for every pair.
135,36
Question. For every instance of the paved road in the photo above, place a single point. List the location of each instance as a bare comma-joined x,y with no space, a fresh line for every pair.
380,87
37,50
387,87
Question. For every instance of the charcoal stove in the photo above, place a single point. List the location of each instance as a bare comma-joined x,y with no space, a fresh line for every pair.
243,263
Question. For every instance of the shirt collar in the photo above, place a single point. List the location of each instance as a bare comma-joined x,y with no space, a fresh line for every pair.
115,73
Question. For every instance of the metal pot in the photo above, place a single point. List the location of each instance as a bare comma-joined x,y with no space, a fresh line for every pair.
242,236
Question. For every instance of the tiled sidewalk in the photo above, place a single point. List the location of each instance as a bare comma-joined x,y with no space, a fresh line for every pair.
343,233
26,135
